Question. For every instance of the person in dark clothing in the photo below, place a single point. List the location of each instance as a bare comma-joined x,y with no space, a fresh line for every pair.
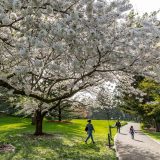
118,125
89,129
132,131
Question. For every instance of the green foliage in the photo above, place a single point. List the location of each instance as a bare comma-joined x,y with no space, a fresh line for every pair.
65,141
145,125
152,99
155,135
149,107
6,106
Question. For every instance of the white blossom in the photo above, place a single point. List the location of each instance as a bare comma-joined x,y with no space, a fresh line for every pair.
6,20
75,45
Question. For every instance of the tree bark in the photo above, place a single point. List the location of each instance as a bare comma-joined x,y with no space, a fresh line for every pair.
39,122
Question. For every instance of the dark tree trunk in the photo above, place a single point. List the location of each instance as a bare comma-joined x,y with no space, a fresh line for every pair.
59,114
39,121
157,125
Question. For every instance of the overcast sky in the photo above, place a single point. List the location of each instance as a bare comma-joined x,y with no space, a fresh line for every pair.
143,6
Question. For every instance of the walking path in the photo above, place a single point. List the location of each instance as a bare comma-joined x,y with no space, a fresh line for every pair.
140,148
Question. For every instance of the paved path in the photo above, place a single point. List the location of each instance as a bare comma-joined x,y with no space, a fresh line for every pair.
141,148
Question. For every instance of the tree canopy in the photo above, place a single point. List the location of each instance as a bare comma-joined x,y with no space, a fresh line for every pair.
52,49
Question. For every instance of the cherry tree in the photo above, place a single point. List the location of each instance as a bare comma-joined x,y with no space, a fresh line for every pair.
50,50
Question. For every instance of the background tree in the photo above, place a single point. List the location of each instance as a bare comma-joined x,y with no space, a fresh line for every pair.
6,102
146,103
151,102
106,101
68,109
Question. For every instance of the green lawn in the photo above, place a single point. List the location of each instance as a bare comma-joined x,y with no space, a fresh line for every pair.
66,141
154,135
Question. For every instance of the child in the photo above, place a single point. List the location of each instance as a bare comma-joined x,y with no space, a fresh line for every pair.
132,131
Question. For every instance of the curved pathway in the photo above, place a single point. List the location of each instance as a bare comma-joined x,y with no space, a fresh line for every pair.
140,148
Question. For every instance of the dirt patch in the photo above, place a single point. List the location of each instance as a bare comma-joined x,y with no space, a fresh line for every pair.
43,136
7,148
55,121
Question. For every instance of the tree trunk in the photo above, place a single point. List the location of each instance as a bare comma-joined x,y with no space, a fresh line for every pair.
59,114
157,125
39,121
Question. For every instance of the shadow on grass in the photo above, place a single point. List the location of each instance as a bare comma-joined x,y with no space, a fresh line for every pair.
56,148
10,126
153,134
64,142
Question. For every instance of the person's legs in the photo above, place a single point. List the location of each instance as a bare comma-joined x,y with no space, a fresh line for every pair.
132,135
118,129
89,135
92,138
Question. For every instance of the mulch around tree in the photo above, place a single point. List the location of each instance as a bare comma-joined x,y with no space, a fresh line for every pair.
63,121
42,136
7,148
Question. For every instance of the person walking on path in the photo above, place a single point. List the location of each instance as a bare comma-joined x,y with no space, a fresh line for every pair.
132,131
89,129
118,125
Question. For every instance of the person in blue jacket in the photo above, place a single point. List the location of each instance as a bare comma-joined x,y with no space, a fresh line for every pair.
89,129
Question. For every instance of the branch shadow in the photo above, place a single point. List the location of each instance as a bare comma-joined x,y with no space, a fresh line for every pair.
65,141
123,133
137,140
130,152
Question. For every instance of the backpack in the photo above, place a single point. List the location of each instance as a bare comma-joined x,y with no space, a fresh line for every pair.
86,129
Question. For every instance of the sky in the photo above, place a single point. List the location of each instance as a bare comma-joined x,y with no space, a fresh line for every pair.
143,6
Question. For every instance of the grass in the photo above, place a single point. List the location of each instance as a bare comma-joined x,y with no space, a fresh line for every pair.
153,134
65,142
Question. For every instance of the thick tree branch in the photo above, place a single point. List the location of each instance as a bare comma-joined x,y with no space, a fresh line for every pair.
38,97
